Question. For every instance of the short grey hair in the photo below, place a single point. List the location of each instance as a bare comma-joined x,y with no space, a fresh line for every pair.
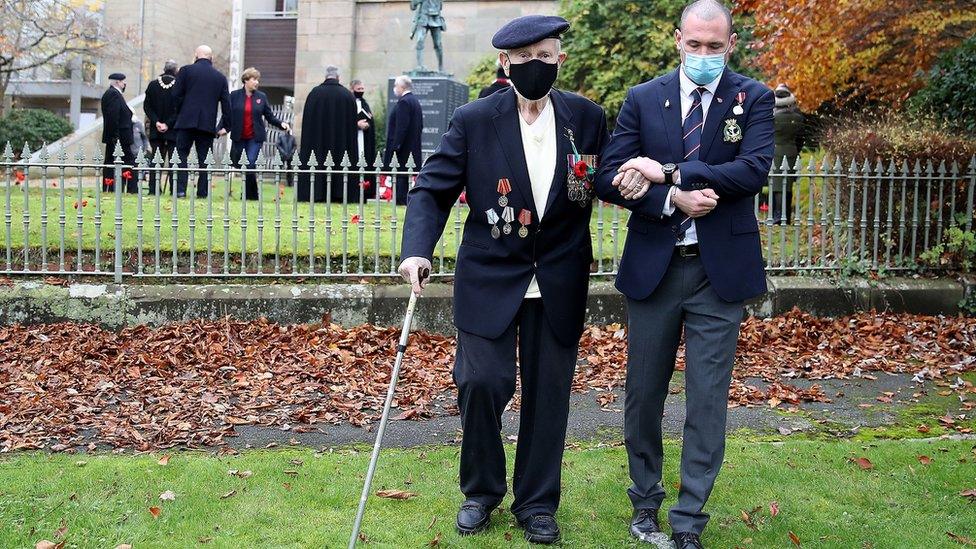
707,10
355,83
404,82
331,71
559,46
170,65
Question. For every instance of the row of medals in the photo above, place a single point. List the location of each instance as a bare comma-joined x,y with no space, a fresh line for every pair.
506,229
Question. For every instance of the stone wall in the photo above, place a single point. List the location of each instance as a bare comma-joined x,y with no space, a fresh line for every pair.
370,39
171,29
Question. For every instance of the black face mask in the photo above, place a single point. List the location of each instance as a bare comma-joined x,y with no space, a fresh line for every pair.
359,95
534,79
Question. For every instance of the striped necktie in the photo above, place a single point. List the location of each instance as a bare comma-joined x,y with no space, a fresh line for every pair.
691,127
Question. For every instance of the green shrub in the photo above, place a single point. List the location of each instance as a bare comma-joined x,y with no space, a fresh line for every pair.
481,75
957,251
950,92
33,126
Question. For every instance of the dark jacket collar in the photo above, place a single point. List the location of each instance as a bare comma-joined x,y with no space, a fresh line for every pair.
207,61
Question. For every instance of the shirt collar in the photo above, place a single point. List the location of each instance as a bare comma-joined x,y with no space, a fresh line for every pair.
687,86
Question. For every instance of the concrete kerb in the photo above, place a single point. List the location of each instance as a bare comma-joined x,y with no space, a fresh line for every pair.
117,306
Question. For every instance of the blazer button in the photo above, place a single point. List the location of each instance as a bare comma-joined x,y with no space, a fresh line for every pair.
535,264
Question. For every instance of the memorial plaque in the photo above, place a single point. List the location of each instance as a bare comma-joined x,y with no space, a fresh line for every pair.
438,98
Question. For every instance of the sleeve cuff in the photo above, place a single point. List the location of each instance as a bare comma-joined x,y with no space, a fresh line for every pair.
668,206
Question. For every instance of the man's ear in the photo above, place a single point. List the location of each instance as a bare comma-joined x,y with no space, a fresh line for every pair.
677,38
505,61
562,58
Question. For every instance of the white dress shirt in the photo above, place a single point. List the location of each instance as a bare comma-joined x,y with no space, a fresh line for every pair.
687,87
539,146
360,134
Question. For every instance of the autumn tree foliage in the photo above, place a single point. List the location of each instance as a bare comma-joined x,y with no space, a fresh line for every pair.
845,51
36,32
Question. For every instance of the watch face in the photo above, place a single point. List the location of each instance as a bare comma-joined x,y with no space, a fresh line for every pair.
669,168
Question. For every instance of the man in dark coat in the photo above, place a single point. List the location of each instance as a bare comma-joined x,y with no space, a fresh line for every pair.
525,157
788,123
117,128
159,108
328,126
199,89
404,131
501,83
366,136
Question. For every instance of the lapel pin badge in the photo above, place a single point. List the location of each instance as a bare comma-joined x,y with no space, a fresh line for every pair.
667,103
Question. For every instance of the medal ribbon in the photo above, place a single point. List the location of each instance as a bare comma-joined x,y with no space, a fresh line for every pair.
525,217
492,216
508,214
504,187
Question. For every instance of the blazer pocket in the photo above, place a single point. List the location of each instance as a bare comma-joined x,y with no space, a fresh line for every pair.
744,224
478,245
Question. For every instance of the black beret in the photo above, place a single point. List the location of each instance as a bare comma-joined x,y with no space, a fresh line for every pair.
528,30
116,76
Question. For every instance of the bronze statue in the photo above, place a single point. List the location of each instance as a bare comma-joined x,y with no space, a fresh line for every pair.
427,16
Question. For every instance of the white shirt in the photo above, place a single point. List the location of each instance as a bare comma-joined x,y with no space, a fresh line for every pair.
361,135
539,146
687,87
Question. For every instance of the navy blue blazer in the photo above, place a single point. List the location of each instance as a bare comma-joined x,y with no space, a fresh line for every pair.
650,125
199,89
260,110
404,131
483,144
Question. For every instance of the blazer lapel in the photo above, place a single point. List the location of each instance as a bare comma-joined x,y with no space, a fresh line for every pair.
724,98
564,122
670,105
509,133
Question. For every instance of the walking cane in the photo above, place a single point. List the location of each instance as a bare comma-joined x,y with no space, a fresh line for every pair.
401,349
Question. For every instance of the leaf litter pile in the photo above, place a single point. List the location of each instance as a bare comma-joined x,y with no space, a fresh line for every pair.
191,383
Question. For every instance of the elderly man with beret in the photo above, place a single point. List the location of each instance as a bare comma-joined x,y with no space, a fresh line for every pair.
525,157
117,128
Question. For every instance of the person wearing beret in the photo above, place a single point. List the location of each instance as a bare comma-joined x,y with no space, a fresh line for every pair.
525,158
249,108
690,152
117,128
199,89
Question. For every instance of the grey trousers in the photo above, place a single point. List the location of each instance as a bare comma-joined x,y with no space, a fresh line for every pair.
685,299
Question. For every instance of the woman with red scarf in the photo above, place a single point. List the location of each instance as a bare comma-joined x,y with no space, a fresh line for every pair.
249,109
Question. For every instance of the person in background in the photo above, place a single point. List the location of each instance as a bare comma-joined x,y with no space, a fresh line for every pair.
286,146
366,136
789,126
159,107
404,132
140,142
249,108
117,128
328,127
501,83
199,89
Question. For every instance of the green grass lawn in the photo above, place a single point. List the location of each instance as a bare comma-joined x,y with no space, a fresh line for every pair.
355,230
297,498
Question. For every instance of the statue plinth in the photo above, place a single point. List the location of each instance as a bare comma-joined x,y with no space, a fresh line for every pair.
439,95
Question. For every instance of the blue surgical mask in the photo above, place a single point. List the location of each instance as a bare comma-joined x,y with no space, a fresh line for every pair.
702,69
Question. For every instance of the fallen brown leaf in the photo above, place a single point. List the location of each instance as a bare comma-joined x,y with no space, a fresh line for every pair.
961,540
395,494
863,463
45,544
795,539
228,494
925,460
773,509
436,541
164,460
155,512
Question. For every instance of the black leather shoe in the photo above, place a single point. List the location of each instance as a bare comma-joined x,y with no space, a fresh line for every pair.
472,518
687,540
646,528
541,529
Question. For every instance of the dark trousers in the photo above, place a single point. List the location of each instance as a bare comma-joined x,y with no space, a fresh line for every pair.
250,147
685,299
128,175
201,141
165,148
485,376
781,199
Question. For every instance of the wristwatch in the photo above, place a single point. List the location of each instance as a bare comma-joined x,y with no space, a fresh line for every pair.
669,170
